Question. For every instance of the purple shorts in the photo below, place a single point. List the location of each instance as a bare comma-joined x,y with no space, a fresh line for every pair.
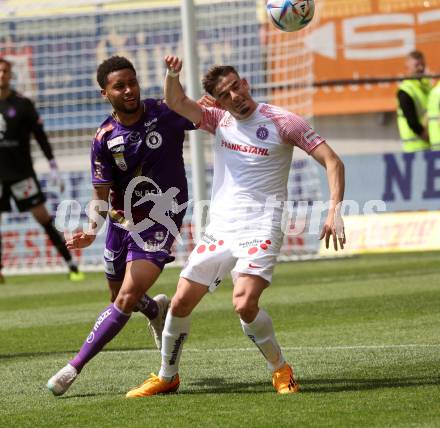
120,248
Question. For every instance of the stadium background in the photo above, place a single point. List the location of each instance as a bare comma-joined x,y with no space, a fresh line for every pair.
56,47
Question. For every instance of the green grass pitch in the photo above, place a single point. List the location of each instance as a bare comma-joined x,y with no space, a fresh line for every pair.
363,335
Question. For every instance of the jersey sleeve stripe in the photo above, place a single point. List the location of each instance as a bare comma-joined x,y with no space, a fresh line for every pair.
211,118
292,128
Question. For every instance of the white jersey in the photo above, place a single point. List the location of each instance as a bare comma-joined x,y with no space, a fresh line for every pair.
252,159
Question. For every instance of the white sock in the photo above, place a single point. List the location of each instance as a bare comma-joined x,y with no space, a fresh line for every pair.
174,334
261,332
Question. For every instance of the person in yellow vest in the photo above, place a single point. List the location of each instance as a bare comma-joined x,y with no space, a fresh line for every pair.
434,117
412,98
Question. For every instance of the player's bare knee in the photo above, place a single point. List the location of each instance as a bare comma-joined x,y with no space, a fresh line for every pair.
181,306
246,309
127,301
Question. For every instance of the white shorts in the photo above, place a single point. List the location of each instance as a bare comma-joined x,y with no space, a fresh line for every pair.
217,254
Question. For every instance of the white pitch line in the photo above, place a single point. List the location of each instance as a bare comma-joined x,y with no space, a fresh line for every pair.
290,348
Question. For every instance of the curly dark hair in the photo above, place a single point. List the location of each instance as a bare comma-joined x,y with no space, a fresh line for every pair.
114,63
211,78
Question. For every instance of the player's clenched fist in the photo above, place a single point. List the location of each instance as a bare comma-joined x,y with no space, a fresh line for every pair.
79,240
208,101
174,65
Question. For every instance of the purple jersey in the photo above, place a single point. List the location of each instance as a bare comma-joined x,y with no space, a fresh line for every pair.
151,148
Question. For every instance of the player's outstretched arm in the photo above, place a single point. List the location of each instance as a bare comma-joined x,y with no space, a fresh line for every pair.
175,96
334,224
98,209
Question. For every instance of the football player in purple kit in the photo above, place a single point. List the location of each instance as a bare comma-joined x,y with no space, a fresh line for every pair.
137,162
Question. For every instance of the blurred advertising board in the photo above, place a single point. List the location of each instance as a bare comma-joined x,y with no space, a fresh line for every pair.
391,182
391,232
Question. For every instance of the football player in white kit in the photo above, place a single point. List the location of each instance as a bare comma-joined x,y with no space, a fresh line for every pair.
253,153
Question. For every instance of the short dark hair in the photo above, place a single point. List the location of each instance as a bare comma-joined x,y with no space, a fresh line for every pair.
5,61
114,63
211,78
416,55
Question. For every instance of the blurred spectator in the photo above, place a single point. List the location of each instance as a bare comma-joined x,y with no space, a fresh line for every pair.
434,117
412,99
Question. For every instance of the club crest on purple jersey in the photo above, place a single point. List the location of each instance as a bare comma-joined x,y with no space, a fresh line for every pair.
134,137
262,133
154,140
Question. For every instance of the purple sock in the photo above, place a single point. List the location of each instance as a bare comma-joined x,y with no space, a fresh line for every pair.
148,307
108,324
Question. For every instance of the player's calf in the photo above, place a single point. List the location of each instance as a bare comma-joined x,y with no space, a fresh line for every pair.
156,324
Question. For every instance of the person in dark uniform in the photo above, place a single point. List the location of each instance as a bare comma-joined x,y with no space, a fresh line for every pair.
18,121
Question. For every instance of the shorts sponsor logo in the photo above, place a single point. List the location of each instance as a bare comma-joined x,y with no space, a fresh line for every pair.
90,337
154,140
109,267
108,254
24,189
252,243
152,246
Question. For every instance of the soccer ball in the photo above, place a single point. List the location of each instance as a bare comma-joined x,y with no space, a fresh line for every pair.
290,15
